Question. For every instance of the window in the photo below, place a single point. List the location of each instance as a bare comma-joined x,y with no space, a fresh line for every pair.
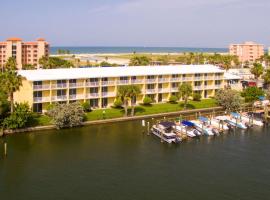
37,107
104,89
150,86
93,79
94,103
104,79
37,94
175,85
133,78
104,102
94,90
72,81
72,92
61,92
124,78
37,82
160,85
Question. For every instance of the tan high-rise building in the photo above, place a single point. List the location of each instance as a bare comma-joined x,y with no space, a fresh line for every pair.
24,52
247,52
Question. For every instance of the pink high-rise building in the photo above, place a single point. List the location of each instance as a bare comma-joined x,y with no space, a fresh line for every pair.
247,52
24,52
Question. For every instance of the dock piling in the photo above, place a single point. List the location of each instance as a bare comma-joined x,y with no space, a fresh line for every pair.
5,149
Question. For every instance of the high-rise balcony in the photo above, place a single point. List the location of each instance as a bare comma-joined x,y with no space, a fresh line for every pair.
218,87
107,83
92,95
108,94
163,90
41,87
92,84
137,81
153,80
76,85
123,82
209,78
59,85
174,89
187,79
150,91
163,80
59,98
76,96
41,99
176,79
198,78
199,87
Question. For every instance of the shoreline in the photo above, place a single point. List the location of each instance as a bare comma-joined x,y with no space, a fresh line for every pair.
114,120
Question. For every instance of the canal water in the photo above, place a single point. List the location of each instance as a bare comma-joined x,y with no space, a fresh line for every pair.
119,161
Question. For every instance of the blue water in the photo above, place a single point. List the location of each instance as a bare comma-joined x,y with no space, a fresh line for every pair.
77,50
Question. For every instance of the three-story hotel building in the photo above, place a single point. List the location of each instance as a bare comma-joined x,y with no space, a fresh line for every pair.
99,86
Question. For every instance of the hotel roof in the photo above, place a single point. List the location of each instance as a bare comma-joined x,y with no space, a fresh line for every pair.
99,72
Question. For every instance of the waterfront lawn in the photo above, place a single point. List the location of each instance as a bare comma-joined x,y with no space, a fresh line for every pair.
40,120
151,109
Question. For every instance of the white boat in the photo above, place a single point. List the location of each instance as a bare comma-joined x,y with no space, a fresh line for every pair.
164,131
189,129
233,121
185,130
206,130
251,120
219,124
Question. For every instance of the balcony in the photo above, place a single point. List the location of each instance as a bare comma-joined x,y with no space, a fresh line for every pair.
187,79
218,77
41,99
208,87
209,78
60,85
76,97
175,89
106,83
75,85
108,94
150,91
92,84
59,98
150,80
199,87
137,81
198,78
123,82
41,87
92,95
175,79
162,90
218,87
163,80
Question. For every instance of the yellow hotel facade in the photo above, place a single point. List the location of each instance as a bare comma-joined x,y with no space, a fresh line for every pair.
98,86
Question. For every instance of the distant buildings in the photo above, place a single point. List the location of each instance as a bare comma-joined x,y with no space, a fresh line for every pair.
24,52
247,52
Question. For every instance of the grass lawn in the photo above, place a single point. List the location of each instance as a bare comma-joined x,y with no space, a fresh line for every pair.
43,120
152,109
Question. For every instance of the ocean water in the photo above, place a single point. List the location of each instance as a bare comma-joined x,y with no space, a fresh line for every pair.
118,161
78,50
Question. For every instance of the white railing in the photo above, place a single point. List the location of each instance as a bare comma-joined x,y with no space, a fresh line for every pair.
198,78
161,90
76,96
176,79
60,85
41,99
108,94
218,87
208,87
187,79
59,98
92,95
41,87
150,80
137,81
92,84
107,83
150,91
208,77
123,82
198,87
218,77
174,89
74,85
163,80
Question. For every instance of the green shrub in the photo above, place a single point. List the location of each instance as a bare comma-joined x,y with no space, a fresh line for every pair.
86,106
252,94
197,97
173,99
19,118
147,100
118,103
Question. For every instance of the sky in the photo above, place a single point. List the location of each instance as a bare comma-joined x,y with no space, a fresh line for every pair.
163,23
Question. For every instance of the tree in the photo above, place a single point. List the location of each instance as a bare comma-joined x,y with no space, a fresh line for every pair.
173,99
19,118
11,64
118,103
230,100
67,115
86,106
134,91
185,91
123,93
54,62
28,67
197,96
252,94
266,78
139,61
10,82
4,105
257,70
147,100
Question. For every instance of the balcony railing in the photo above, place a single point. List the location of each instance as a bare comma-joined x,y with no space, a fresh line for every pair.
92,84
108,94
176,79
162,90
107,82
60,85
208,87
198,78
41,87
198,87
92,95
218,77
150,80
134,81
75,97
218,87
163,80
175,89
75,85
150,91
208,77
59,98
41,99
123,82
187,79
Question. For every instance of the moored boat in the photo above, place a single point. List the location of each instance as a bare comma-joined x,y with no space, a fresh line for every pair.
165,131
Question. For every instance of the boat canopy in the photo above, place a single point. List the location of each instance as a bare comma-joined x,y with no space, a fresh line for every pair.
235,115
203,119
262,98
187,123
167,124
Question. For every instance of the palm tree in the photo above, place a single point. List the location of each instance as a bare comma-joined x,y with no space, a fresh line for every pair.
11,64
123,92
134,91
257,70
185,91
10,82
266,78
43,61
